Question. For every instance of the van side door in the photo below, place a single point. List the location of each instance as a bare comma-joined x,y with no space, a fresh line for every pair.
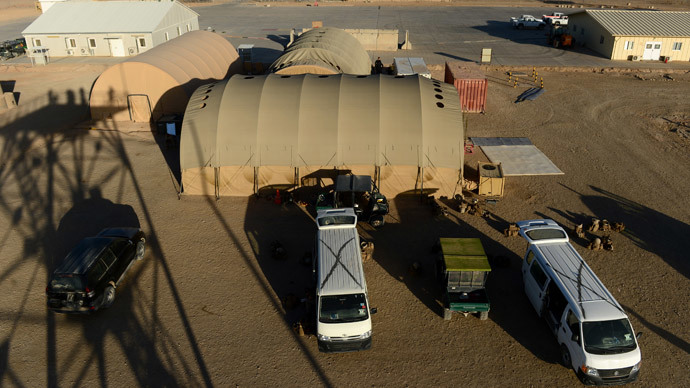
570,327
535,280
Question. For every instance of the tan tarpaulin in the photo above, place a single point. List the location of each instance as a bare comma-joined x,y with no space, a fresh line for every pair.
160,80
249,132
324,50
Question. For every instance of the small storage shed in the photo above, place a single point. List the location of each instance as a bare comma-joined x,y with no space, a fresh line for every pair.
109,28
410,66
471,83
323,50
160,81
250,132
633,34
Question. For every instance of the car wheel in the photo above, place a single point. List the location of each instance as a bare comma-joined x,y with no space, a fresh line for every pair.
141,249
483,315
108,296
520,26
376,221
565,357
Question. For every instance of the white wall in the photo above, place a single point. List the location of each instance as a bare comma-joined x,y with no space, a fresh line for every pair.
58,44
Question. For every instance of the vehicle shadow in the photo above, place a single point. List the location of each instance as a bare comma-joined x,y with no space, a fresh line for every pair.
532,36
50,170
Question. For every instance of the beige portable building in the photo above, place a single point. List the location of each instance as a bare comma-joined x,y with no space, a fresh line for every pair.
323,50
250,132
633,34
109,28
161,80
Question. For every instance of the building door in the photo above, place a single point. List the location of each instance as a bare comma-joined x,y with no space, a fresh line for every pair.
117,48
652,51
139,108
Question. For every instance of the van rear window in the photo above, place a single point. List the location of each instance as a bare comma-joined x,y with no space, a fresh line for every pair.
337,220
545,234
66,283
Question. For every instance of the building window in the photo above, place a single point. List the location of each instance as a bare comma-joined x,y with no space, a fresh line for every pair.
601,39
71,42
37,42
189,28
677,46
629,44
92,43
179,31
167,37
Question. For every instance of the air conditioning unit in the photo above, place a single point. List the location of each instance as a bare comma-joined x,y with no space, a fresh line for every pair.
83,51
70,52
132,50
635,58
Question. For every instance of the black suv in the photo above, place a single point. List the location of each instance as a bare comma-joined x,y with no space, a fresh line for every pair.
85,281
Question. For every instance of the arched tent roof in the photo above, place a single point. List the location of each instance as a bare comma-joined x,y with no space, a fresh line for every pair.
166,75
324,50
313,122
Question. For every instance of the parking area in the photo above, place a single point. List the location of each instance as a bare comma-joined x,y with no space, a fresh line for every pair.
207,305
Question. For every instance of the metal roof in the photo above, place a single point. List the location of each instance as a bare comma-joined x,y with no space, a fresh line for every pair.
104,17
642,23
340,265
581,284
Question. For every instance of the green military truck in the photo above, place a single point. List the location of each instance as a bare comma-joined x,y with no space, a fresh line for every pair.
462,268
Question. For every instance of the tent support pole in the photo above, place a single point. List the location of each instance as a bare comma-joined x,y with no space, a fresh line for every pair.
377,177
216,185
421,184
296,178
256,180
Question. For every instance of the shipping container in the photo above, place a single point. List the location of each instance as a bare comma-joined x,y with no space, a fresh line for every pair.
471,84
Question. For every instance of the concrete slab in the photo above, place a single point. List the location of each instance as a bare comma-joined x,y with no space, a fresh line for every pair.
517,155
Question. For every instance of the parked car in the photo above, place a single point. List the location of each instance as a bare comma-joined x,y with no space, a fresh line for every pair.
556,18
86,280
527,21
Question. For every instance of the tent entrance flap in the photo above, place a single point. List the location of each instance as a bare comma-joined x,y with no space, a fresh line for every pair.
139,108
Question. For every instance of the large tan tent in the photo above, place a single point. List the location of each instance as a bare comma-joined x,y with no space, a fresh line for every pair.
324,50
160,81
249,132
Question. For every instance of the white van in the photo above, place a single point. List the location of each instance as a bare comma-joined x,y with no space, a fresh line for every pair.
343,318
594,333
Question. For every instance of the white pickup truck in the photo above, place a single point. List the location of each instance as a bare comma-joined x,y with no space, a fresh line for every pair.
556,18
526,21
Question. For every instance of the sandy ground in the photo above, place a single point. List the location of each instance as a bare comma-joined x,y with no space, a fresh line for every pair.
204,307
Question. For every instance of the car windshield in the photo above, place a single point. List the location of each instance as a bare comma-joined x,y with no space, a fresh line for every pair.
343,308
608,337
66,283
